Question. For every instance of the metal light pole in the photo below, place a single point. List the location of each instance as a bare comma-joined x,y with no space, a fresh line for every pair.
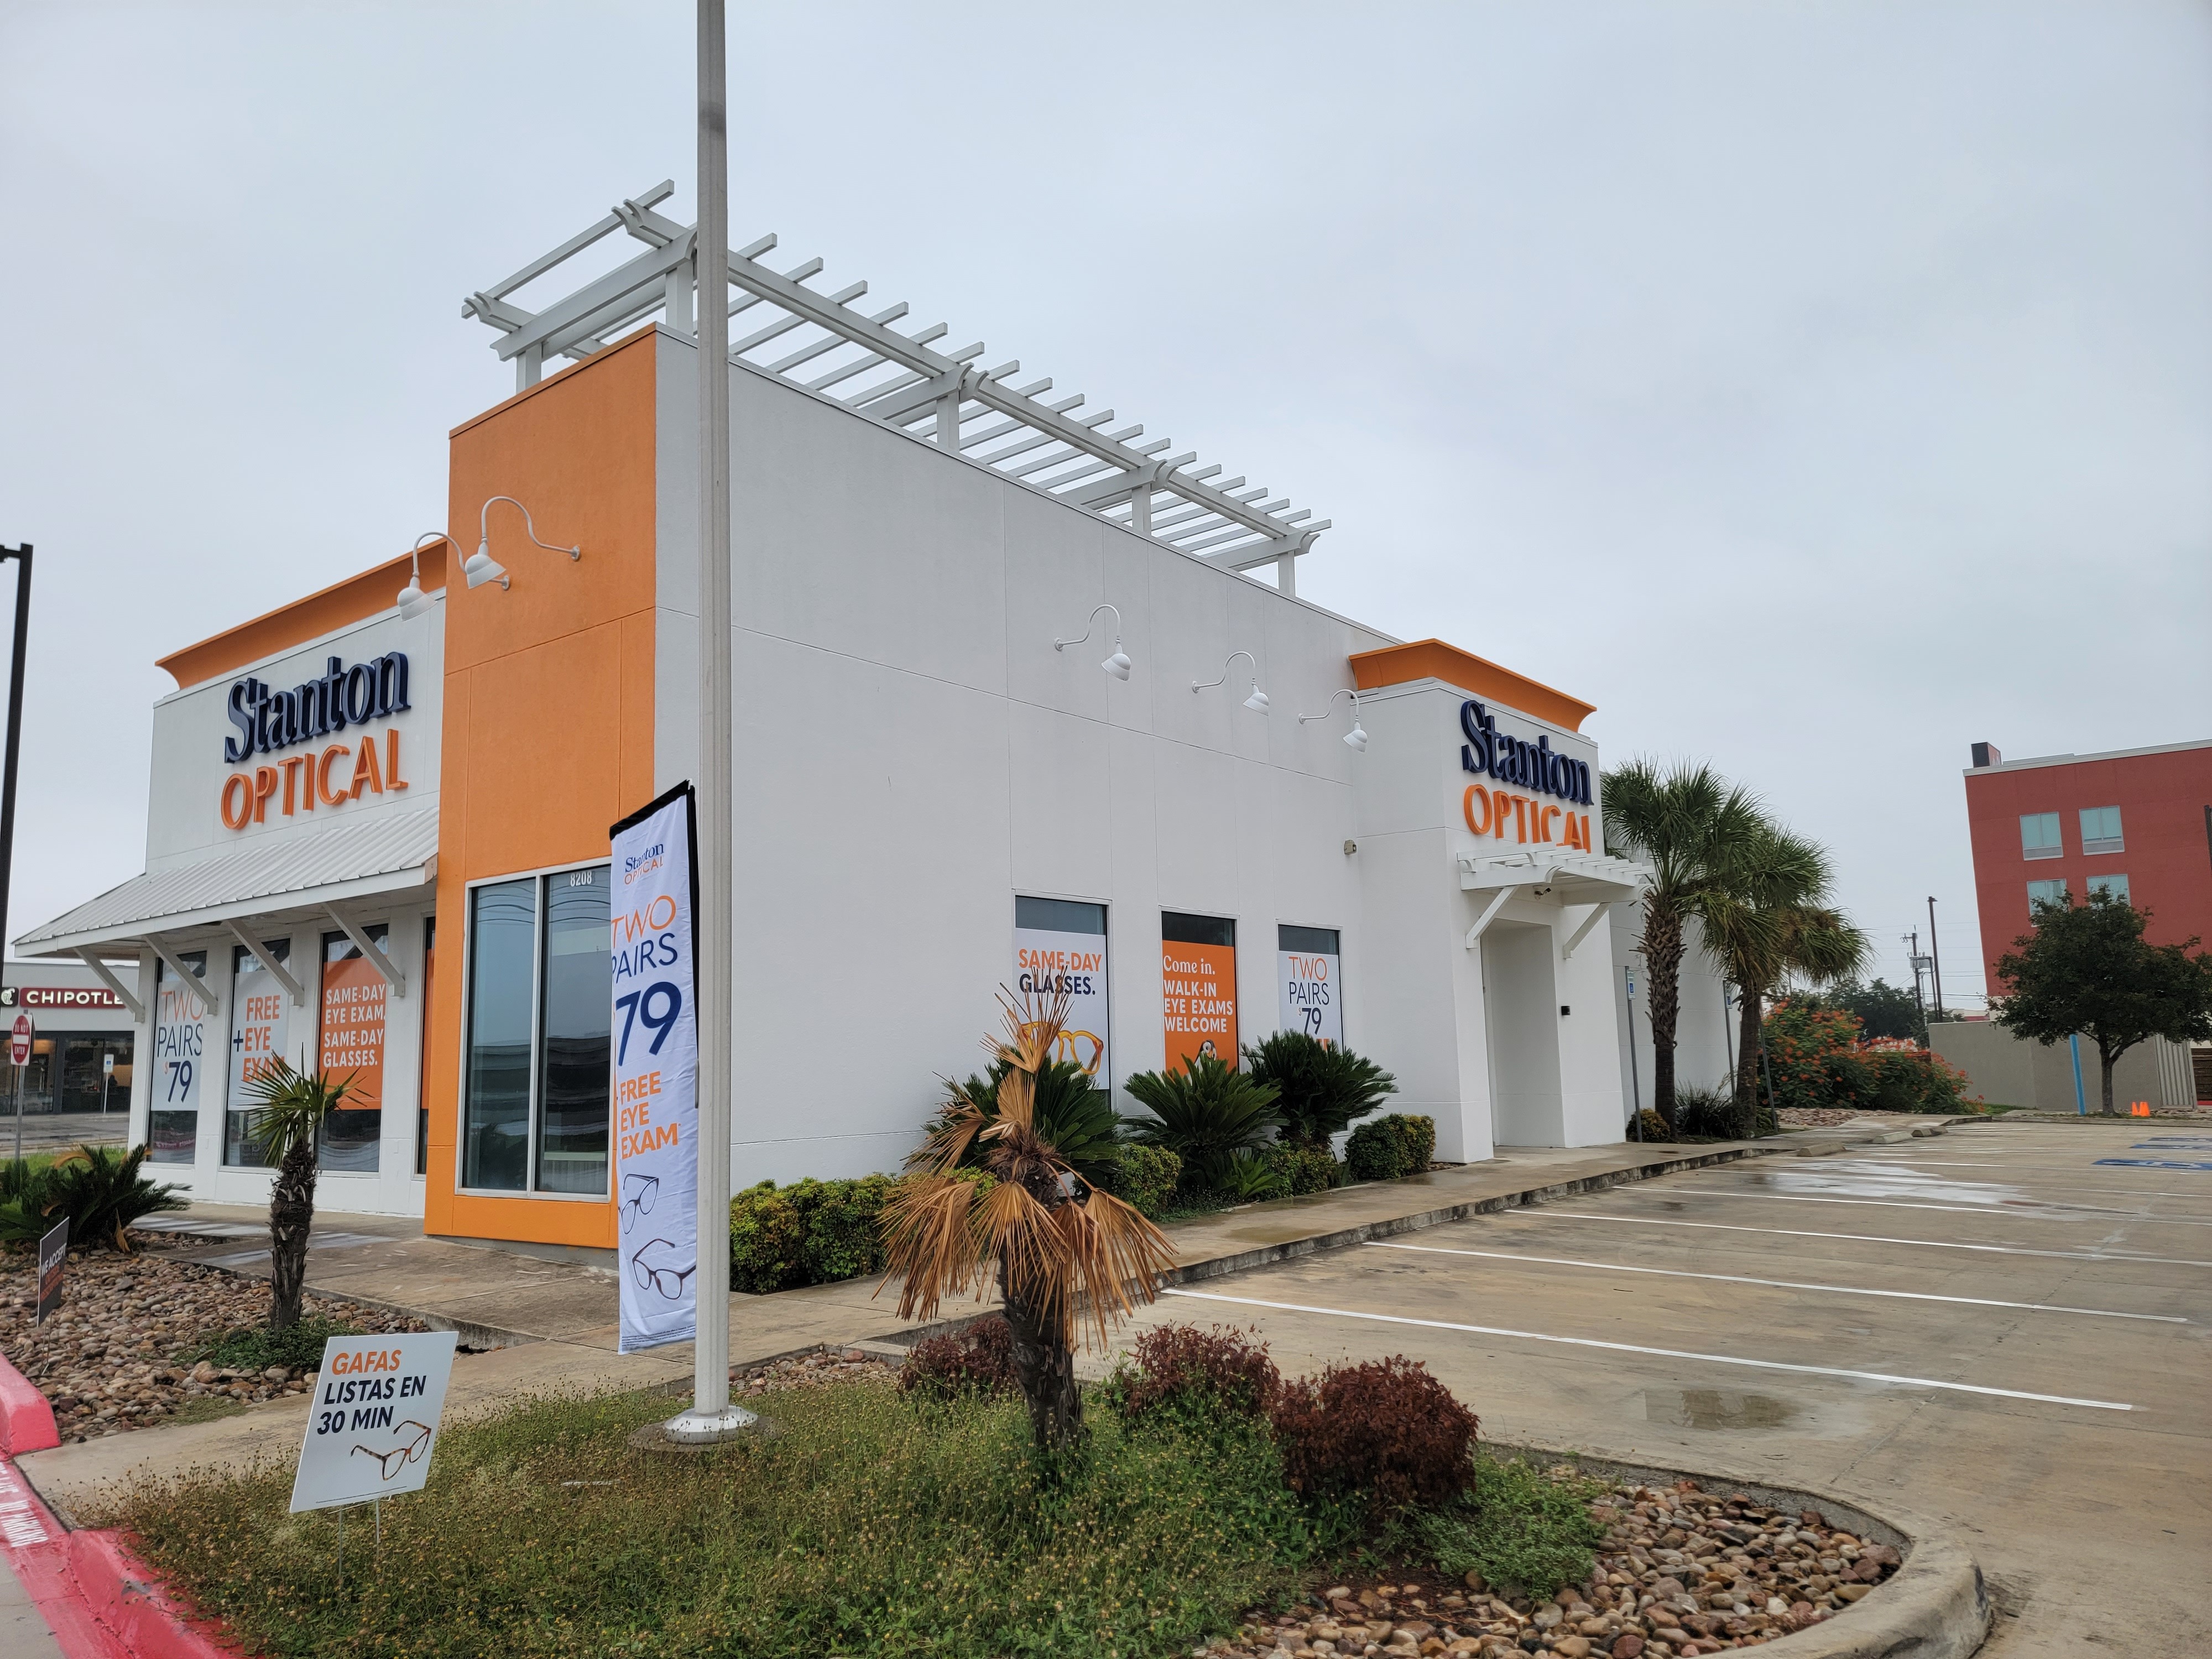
22,557
1936,956
711,1416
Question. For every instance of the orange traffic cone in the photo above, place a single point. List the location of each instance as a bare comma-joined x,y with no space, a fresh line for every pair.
2141,1109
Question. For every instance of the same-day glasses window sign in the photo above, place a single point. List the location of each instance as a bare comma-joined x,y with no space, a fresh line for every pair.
353,1027
1059,945
2045,892
536,1104
260,1023
1198,985
2114,886
2038,836
1310,971
180,1057
2101,830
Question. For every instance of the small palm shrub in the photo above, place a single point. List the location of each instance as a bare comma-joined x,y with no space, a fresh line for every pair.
1253,1177
1385,1433
1204,1115
99,1188
976,1359
1143,1177
1389,1147
1322,1088
1069,1110
1183,1370
1705,1112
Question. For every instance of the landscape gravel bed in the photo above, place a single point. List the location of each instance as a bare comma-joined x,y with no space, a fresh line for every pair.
811,1371
1681,1571
110,1359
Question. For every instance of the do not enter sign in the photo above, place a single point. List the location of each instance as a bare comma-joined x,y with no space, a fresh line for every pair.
19,1041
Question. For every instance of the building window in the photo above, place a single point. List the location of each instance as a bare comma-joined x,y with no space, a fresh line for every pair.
2101,830
2038,836
353,1052
535,1115
1309,979
2045,892
422,1083
1059,947
260,1020
179,1056
1198,983
2115,886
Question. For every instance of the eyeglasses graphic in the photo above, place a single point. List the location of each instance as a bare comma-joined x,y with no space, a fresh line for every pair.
668,1281
637,1201
391,1463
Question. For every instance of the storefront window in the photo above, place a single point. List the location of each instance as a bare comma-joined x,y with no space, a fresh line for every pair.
422,1084
95,1072
354,1008
1198,983
180,1057
1309,975
260,1020
538,1112
1059,948
503,944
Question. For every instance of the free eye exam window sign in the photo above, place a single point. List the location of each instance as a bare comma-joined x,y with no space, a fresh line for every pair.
374,1420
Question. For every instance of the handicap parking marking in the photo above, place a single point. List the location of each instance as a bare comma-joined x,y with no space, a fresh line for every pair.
1662,1354
2150,1163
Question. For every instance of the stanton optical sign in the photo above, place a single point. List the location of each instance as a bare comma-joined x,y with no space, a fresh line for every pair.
271,719
1535,766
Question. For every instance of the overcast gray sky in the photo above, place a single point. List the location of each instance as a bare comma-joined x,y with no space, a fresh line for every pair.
1814,388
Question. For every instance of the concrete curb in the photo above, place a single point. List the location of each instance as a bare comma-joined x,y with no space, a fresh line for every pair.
26,1420
1289,1250
1935,1606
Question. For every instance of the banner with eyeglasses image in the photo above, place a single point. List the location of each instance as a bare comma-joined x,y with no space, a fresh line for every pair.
374,1417
1059,947
656,1071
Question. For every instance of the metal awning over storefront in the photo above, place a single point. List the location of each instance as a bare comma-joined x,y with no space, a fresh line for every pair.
1564,878
389,855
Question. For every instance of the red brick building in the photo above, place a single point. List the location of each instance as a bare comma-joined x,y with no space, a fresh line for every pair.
2136,821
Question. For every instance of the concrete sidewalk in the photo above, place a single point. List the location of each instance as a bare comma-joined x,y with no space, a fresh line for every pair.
550,1326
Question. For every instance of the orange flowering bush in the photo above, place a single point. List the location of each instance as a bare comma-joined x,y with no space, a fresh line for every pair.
1821,1059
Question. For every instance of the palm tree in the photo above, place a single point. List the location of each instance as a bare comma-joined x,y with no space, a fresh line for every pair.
1767,920
1060,1249
1689,825
289,1107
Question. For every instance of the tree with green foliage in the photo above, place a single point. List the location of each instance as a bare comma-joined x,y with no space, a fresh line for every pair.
2086,969
288,1108
1883,1010
1767,921
1321,1088
1688,824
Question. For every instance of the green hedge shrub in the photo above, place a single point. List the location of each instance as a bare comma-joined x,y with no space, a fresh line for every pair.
1305,1169
812,1232
1389,1147
1143,1177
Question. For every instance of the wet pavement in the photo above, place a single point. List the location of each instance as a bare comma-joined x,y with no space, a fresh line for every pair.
2005,1326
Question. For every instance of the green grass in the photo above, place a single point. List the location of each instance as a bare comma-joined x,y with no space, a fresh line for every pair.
204,1409
256,1348
1517,1526
871,1525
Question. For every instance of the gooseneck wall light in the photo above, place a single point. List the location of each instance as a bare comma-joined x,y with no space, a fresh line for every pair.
1257,703
1118,664
482,568
413,601
1355,738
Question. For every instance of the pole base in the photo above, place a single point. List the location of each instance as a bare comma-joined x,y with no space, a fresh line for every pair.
698,1428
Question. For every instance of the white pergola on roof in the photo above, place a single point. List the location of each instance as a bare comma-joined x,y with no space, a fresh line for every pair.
816,340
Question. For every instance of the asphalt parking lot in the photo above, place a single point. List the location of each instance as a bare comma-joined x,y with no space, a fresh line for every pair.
2004,1326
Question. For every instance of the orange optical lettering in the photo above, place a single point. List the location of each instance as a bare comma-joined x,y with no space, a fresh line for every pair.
236,818
330,797
367,773
264,785
1521,817
1575,833
291,764
1467,805
1544,823
392,778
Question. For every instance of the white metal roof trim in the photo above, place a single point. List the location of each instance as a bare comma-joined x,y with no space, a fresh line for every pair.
382,846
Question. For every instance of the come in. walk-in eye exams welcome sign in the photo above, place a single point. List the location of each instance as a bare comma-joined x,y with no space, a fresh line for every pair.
656,1038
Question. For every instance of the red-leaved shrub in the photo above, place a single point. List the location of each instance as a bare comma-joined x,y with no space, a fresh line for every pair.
1177,1365
1387,1428
979,1359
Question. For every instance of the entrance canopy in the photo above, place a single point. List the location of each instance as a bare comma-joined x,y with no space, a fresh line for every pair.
1564,877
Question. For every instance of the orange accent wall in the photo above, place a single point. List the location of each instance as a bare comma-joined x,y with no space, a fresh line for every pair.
339,605
1396,664
548,701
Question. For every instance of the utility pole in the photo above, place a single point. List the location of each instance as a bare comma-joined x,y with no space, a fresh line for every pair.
1936,956
1919,1003
712,1416
22,557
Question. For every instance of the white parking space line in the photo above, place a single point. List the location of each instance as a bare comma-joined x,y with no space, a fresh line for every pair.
1864,1238
1662,1354
1777,1283
2080,1213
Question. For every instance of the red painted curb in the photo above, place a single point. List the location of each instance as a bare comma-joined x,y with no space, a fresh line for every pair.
98,1599
26,1421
